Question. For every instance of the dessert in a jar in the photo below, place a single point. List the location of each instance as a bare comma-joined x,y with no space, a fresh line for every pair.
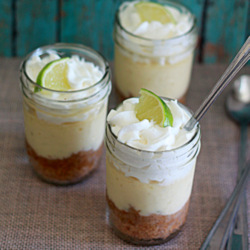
154,48
150,169
65,95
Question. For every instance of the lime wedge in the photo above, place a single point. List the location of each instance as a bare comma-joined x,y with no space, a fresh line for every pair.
152,107
54,75
149,11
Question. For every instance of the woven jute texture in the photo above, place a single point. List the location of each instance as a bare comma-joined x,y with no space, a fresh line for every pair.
37,215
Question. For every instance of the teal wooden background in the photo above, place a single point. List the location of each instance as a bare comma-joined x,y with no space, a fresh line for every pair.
28,24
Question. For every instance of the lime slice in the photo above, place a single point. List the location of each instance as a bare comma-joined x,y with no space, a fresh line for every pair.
152,107
54,75
149,11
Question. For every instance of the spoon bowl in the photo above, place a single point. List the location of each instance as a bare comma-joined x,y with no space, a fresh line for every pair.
238,100
238,107
222,233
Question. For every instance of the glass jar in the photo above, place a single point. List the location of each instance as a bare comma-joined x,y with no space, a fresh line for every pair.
162,66
64,130
148,193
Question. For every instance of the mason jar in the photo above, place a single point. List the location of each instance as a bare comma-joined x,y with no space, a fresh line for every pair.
64,130
161,65
148,192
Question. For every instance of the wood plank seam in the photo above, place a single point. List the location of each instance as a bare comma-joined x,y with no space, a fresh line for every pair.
14,28
202,32
59,21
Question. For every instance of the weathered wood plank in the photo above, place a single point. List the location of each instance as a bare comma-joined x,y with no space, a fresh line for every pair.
90,23
195,6
36,24
5,28
226,29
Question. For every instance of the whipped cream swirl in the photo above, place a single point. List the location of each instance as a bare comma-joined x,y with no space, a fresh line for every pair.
145,134
82,100
80,75
131,21
157,154
162,43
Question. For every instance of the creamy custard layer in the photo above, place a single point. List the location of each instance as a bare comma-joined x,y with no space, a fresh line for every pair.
147,198
169,80
59,141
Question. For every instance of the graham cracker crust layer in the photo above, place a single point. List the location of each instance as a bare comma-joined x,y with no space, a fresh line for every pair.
65,171
145,230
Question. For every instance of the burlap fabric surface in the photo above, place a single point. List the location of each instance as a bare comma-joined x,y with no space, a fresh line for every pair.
37,215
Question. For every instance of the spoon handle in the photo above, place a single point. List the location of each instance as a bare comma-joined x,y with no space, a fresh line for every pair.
238,238
238,62
217,236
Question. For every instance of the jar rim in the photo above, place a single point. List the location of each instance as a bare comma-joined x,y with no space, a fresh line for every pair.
107,71
175,38
196,133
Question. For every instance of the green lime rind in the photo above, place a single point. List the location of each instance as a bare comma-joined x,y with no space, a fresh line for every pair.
153,108
37,89
41,76
169,117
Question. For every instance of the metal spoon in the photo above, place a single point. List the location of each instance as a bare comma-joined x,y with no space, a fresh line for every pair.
238,107
238,62
239,103
219,233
